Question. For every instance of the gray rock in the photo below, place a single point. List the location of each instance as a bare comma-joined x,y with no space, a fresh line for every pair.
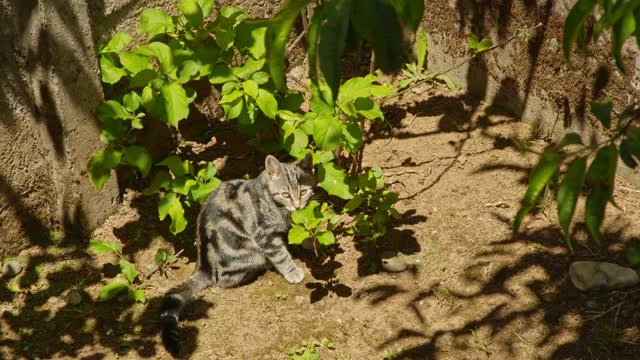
74,297
394,263
588,275
11,269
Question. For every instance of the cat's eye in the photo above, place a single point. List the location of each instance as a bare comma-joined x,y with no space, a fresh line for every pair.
303,191
286,195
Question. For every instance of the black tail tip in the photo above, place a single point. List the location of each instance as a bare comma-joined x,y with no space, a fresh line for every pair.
170,338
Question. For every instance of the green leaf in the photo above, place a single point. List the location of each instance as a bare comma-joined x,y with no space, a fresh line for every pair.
112,289
421,48
134,63
297,234
290,116
325,237
209,172
411,12
118,42
382,90
601,176
633,255
188,72
334,180
170,205
111,73
102,247
479,46
309,217
568,193
112,109
570,139
155,22
376,22
161,257
621,30
162,52
368,108
248,68
137,296
128,270
221,74
353,203
602,111
182,185
352,135
101,164
547,166
267,103
174,103
234,109
296,143
139,157
332,36
142,79
250,88
161,180
277,38
260,77
628,150
207,7
202,191
574,24
192,12
177,166
327,132
251,35
131,101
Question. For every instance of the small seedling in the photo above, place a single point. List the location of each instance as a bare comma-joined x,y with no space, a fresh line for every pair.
127,269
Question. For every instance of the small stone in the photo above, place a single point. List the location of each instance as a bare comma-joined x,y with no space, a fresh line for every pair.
11,269
307,244
74,297
394,263
300,299
588,275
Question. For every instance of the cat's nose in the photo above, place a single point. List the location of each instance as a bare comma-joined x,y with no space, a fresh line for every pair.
296,204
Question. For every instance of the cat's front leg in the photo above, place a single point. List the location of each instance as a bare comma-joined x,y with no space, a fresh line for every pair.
276,251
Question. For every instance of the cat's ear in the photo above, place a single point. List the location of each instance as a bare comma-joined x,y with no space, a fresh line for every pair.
272,165
306,164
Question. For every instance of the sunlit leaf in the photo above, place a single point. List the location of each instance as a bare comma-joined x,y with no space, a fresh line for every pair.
334,180
192,12
118,42
297,234
101,164
139,157
155,22
102,247
137,296
325,237
128,270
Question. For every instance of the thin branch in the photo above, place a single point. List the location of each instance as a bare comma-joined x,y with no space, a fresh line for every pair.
475,55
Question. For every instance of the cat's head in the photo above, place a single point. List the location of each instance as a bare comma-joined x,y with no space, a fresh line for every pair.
290,184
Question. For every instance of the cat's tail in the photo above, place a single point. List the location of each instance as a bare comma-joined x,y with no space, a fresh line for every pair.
173,303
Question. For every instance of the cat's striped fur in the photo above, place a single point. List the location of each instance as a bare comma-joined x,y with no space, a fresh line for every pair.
242,230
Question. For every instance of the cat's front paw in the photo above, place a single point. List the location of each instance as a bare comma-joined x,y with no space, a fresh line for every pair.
295,276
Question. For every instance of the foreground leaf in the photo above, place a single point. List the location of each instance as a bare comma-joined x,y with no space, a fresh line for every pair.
137,296
376,22
574,24
547,166
297,234
601,176
155,22
138,157
277,38
568,193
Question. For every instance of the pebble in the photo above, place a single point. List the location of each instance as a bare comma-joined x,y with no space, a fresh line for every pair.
74,297
11,269
394,263
588,275
300,299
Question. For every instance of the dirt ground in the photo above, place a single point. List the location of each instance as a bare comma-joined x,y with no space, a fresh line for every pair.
473,291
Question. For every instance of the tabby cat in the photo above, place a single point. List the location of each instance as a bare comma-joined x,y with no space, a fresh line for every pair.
242,230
